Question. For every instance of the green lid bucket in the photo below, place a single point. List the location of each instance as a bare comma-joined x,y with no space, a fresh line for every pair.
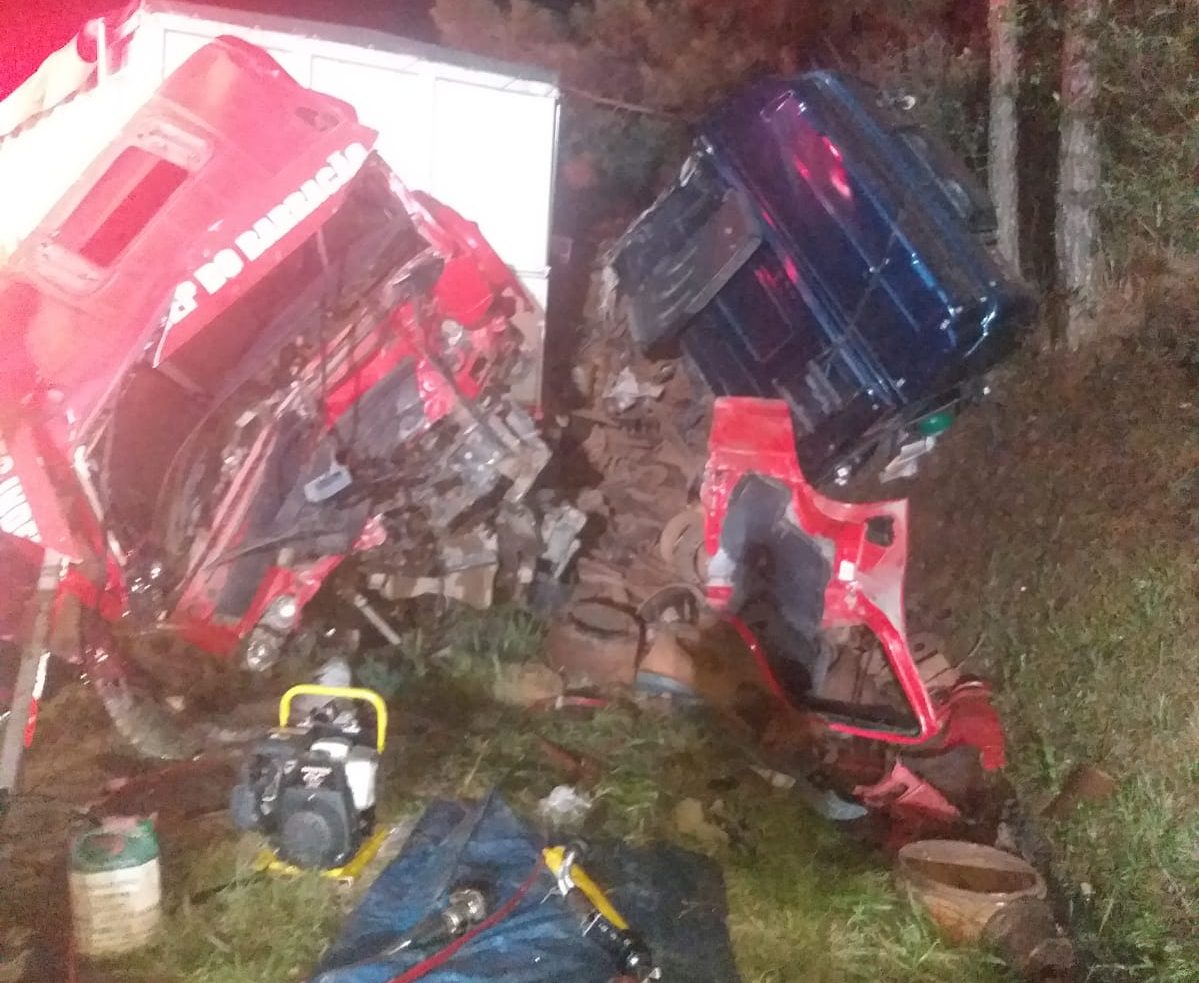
115,845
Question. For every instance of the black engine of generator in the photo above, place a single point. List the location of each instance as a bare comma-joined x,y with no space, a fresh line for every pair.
310,792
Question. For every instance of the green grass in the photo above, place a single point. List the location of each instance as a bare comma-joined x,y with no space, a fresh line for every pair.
1105,679
805,904
267,931
808,907
462,649
1058,529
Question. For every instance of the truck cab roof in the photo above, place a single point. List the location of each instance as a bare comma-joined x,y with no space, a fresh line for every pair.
178,213
224,169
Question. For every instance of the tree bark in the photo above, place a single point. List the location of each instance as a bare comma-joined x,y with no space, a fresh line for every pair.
1078,175
1002,159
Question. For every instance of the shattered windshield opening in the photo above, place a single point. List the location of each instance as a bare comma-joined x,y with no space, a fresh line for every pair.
185,406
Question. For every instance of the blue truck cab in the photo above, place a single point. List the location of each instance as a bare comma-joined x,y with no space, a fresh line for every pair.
821,248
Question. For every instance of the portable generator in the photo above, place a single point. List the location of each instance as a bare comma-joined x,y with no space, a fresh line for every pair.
309,789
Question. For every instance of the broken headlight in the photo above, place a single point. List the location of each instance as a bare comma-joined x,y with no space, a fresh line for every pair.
282,614
265,643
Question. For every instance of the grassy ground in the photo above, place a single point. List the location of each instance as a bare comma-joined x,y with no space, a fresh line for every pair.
805,903
1055,535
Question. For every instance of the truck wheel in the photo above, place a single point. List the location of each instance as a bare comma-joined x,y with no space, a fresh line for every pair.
144,723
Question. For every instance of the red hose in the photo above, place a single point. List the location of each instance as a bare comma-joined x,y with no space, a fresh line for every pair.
442,955
751,642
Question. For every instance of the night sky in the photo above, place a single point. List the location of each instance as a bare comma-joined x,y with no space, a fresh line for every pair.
32,29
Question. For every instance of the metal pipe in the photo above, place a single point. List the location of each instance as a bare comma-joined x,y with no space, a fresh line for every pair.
380,623
101,51
30,674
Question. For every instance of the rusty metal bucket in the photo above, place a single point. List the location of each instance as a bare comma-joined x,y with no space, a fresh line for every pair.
962,885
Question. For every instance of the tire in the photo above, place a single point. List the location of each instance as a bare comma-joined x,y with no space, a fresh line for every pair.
147,726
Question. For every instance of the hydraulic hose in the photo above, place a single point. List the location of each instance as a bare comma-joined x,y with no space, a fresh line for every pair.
438,958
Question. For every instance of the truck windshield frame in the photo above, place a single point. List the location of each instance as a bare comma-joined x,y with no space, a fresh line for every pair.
160,417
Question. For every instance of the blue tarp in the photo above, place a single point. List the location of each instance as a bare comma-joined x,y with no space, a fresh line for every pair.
536,942
540,941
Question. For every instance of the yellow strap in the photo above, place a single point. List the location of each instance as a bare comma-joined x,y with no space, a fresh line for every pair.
339,693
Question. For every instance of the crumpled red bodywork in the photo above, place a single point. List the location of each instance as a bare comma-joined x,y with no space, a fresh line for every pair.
754,437
916,807
247,166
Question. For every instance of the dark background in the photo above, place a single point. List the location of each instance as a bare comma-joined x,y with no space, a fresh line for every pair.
32,29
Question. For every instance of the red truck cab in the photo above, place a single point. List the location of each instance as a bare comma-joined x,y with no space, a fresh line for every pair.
223,343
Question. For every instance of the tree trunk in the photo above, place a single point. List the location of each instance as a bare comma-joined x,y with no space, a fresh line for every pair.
1078,174
1002,160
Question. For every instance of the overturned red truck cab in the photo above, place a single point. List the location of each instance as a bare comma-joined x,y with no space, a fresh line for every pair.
233,345
792,569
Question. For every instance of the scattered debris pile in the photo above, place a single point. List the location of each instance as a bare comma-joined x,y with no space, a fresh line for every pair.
643,435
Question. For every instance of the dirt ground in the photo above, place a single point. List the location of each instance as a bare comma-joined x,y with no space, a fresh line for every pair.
79,763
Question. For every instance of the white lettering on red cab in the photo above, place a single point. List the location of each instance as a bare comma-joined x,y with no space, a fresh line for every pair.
230,262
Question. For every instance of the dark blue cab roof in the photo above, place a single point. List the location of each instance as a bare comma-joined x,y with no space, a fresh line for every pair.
823,248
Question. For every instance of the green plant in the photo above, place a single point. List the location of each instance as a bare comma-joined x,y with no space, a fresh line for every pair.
1150,84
